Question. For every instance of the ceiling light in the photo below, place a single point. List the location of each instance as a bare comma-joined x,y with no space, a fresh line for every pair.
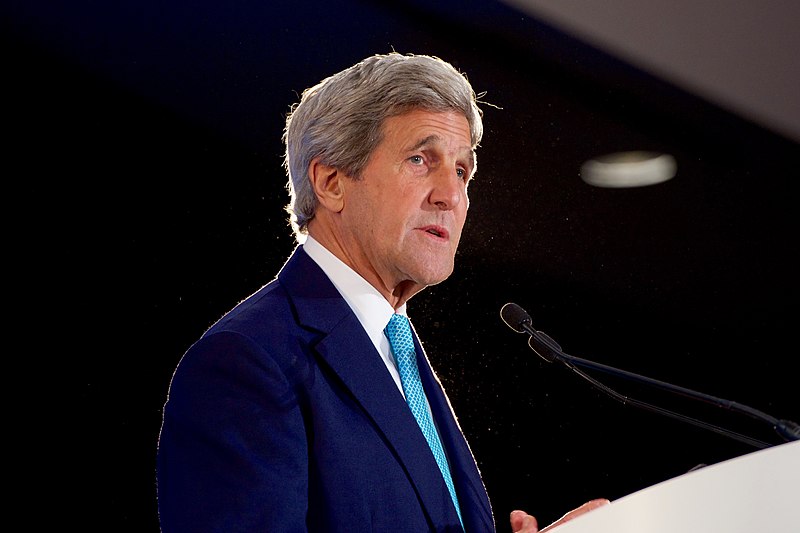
628,169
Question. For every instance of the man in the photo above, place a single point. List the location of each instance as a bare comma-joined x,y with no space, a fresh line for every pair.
290,413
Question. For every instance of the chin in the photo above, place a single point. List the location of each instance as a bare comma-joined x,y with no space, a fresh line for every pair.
429,268
434,277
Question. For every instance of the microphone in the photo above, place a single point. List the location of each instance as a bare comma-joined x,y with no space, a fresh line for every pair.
520,321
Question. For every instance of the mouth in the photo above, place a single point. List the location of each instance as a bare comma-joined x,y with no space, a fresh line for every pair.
436,231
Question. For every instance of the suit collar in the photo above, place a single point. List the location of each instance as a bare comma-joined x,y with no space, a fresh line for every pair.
369,305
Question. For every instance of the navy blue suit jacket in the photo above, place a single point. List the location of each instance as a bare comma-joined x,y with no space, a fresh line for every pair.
283,418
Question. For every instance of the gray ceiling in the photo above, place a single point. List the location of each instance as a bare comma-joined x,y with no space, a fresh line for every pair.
740,54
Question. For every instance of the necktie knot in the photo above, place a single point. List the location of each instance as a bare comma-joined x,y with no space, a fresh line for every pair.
398,331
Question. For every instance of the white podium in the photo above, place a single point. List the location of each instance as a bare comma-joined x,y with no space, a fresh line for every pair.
755,493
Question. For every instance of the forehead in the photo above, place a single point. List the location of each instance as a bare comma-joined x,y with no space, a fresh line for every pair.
418,127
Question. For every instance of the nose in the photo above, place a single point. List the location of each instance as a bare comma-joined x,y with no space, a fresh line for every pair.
448,189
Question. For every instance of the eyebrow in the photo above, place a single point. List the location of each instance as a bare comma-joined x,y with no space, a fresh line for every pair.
430,139
433,139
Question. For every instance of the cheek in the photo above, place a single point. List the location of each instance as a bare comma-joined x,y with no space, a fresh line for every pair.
462,212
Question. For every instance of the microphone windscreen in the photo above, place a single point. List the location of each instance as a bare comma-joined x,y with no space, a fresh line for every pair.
515,317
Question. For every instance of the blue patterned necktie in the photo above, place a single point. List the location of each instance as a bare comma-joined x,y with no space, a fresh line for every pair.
398,331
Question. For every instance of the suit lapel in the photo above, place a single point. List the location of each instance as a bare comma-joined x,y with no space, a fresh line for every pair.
347,351
475,506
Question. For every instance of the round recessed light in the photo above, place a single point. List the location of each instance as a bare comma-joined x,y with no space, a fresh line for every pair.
629,169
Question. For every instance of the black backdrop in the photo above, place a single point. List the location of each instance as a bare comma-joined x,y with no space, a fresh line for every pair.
147,198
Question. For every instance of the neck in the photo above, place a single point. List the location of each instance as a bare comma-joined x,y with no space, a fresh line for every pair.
395,292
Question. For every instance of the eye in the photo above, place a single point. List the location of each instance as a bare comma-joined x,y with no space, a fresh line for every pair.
416,159
462,173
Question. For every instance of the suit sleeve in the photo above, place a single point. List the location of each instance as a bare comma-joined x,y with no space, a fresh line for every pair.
233,453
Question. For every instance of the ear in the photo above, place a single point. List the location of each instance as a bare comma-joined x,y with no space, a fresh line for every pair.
328,185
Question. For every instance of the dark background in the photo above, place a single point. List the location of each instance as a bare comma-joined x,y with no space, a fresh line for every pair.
147,193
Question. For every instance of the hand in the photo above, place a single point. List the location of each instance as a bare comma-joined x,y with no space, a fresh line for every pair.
522,522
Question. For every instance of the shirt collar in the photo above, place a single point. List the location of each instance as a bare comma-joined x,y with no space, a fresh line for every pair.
370,307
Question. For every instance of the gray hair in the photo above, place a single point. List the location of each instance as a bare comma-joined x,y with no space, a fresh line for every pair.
339,120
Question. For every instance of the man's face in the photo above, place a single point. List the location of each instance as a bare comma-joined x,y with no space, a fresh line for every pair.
402,220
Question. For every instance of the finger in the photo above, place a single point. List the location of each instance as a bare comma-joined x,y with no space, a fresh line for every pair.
522,522
583,509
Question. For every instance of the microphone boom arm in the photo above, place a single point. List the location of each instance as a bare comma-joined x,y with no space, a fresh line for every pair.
519,320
